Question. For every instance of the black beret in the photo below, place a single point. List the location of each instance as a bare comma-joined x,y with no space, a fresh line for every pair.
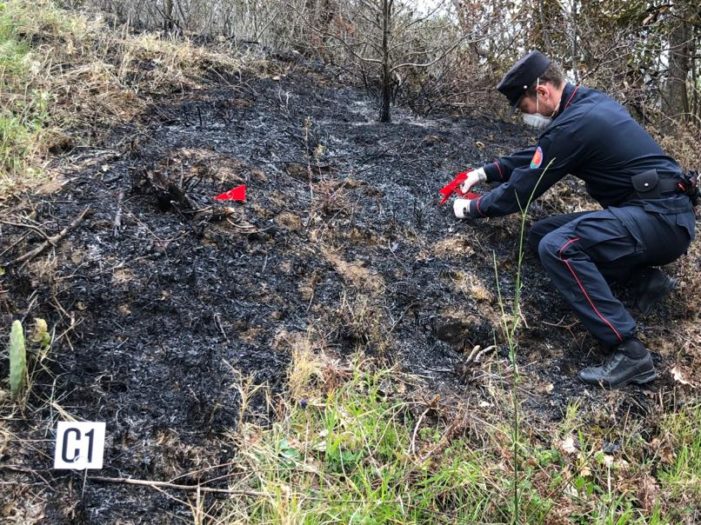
522,75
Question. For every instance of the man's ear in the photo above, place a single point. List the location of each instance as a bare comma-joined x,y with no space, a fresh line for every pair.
542,90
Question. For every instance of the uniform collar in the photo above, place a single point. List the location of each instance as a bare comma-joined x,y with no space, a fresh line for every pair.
568,95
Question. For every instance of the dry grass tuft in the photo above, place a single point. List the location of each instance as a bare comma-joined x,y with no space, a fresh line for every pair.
471,286
365,322
355,274
681,142
306,372
313,370
454,246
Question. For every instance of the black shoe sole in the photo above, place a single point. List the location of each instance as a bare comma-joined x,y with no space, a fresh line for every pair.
641,379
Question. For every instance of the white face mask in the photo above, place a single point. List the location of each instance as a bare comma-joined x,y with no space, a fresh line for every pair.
536,120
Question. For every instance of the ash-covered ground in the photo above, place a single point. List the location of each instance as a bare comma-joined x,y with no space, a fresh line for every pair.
164,300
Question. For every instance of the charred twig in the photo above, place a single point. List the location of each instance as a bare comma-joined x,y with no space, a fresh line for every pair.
193,473
74,324
117,223
311,300
396,323
160,485
246,229
477,354
217,320
180,196
32,227
32,303
561,323
51,241
465,368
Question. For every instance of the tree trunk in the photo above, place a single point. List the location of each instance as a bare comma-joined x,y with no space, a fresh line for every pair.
168,16
575,51
676,101
386,70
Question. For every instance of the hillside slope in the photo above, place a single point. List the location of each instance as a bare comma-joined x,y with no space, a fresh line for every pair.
167,305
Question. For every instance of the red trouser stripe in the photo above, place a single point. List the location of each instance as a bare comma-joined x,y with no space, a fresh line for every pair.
501,175
584,292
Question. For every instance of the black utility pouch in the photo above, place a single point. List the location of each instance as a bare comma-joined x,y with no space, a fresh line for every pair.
646,184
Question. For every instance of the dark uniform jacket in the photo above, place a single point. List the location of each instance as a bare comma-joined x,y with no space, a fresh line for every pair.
595,139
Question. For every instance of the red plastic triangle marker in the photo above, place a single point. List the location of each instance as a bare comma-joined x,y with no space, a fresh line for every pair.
236,194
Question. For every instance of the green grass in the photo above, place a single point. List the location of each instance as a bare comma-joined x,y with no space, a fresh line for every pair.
681,478
355,458
355,455
25,109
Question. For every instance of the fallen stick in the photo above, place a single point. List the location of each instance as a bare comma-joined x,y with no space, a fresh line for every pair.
167,485
51,241
159,485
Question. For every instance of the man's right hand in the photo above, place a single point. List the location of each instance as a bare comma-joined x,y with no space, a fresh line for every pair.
461,208
473,177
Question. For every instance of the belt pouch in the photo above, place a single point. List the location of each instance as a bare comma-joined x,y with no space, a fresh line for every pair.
646,184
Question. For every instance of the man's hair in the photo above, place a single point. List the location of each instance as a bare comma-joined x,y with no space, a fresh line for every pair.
552,74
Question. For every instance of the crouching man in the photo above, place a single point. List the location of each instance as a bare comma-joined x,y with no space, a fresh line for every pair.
647,218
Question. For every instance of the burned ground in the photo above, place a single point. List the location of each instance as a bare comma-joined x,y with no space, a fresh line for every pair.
165,301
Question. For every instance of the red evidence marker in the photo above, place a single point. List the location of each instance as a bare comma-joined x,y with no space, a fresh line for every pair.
236,194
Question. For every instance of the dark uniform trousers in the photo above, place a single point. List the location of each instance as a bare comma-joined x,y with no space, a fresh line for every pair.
584,252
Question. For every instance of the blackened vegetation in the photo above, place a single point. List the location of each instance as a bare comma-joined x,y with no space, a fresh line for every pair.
164,300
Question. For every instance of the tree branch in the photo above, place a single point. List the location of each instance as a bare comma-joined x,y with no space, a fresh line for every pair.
438,59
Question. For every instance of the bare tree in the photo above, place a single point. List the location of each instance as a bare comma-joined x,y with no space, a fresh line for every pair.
387,6
390,37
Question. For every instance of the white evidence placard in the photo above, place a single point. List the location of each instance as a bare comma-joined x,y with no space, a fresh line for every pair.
79,446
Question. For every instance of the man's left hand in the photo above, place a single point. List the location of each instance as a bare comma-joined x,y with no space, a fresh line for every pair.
461,208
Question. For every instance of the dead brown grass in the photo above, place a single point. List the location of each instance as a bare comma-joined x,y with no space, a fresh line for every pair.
680,140
355,274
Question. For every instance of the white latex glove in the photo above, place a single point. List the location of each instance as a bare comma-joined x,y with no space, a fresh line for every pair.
461,208
473,178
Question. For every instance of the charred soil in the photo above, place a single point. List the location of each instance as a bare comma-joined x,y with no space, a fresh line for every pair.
164,301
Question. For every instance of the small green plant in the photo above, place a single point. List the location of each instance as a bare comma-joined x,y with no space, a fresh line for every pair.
41,335
18,360
510,323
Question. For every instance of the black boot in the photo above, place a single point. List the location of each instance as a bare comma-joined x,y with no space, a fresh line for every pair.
650,286
630,363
